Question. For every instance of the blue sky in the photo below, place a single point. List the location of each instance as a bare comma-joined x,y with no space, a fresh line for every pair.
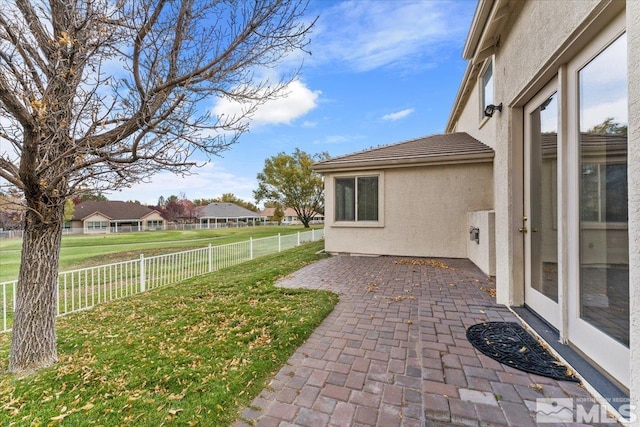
380,72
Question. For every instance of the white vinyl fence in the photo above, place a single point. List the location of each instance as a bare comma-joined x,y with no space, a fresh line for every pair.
82,289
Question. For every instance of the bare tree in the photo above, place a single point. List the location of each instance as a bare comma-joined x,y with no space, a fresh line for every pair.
100,94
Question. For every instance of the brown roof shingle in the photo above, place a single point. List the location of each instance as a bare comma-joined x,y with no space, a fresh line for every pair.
114,210
435,149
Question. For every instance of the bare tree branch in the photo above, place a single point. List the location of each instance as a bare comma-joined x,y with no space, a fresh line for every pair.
101,94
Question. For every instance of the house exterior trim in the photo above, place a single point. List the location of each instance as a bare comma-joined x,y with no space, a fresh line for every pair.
405,163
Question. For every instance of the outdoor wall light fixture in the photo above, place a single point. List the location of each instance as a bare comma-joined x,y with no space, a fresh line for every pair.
489,109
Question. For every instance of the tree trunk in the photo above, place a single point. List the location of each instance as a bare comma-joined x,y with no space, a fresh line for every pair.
33,344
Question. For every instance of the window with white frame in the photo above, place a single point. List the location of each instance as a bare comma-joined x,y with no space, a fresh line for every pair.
154,223
97,225
604,192
486,84
356,198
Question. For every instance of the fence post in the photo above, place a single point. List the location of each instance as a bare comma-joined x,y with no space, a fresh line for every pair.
313,235
210,258
298,238
143,285
279,243
250,247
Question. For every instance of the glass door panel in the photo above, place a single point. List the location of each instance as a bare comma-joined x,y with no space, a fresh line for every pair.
604,239
540,220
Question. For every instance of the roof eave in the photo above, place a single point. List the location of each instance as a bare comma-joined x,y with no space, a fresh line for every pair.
457,103
84,218
484,157
476,30
488,21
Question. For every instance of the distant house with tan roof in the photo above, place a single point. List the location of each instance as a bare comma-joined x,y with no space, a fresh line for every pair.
216,215
290,216
114,216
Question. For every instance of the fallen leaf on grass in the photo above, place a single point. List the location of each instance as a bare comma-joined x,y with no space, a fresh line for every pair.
60,417
173,396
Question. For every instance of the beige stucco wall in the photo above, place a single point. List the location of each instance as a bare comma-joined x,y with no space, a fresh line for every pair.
470,121
420,217
633,48
533,29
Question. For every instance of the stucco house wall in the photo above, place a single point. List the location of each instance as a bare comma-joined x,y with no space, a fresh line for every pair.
531,43
420,217
470,120
532,28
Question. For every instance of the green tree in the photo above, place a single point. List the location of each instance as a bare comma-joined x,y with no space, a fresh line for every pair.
288,180
231,198
278,214
87,195
203,202
69,209
102,94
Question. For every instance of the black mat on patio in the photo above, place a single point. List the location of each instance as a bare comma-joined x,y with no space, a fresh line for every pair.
510,344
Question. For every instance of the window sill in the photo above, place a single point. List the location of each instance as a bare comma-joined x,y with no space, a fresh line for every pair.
358,224
483,121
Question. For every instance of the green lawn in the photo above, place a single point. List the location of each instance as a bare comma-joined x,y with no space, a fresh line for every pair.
78,251
193,353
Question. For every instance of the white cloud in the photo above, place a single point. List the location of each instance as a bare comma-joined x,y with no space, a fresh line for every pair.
365,35
309,124
207,182
398,115
297,100
334,139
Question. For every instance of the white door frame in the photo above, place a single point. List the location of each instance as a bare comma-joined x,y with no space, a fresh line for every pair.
544,306
602,349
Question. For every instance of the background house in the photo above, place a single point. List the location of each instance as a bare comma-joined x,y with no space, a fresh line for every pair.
550,205
216,215
114,216
290,217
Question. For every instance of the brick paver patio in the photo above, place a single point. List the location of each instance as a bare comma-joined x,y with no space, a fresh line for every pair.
394,352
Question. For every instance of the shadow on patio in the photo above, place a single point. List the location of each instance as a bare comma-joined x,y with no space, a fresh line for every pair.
394,352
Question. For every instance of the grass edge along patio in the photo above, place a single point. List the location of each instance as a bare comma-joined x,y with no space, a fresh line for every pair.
194,351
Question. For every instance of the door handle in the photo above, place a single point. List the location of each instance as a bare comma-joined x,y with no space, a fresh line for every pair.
523,229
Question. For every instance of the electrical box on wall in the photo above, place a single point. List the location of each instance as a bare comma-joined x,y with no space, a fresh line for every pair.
482,252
